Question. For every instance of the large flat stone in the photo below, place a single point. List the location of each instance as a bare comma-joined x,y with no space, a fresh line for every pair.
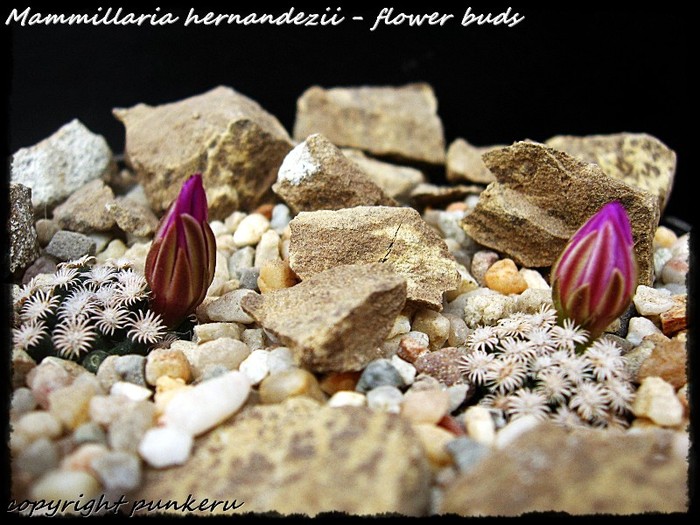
542,196
464,163
297,458
236,145
337,319
399,122
397,237
396,181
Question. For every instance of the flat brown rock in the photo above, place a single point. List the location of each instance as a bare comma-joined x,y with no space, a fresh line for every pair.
298,458
396,181
397,237
635,158
400,122
316,175
229,138
335,320
432,195
582,472
86,209
542,196
464,163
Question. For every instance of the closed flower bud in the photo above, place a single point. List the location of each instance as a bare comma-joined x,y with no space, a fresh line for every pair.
594,279
180,264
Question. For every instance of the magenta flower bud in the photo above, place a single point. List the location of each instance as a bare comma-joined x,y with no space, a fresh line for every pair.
180,264
595,277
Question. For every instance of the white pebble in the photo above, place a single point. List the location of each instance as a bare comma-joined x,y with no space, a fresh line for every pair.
458,331
255,366
515,429
639,328
419,337
661,257
37,424
656,399
165,446
534,279
250,230
218,228
651,301
268,249
457,393
227,308
406,370
675,271
63,485
681,248
479,424
280,218
204,406
232,221
347,398
402,325
280,359
130,390
385,399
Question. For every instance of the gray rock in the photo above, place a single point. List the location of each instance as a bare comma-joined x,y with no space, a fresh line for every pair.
467,453
38,457
118,471
44,264
22,401
133,217
379,372
241,259
67,246
129,426
46,228
248,278
23,236
280,218
86,209
131,368
60,164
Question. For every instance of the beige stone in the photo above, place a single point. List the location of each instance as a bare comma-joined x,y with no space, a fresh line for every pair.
396,181
656,399
503,277
464,163
277,387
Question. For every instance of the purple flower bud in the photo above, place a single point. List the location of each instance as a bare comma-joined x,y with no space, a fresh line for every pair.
595,277
180,263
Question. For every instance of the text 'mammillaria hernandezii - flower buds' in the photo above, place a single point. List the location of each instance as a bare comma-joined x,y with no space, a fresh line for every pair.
595,277
180,264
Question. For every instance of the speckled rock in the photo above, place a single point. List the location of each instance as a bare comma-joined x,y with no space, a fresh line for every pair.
435,325
396,181
316,175
131,368
484,306
23,235
229,138
464,163
132,217
426,194
70,404
129,425
542,196
396,237
635,158
60,164
667,361
652,301
271,451
167,362
482,260
226,308
86,209
379,372
442,365
503,277
66,246
399,122
579,472
336,319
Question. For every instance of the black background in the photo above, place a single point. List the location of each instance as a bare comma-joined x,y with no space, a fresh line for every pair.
578,69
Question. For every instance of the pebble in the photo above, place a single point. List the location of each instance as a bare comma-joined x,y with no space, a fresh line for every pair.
425,382
294,382
656,399
38,457
652,301
276,275
406,369
89,432
126,430
661,257
45,230
249,279
225,351
284,245
268,249
442,365
165,447
682,396
232,221
514,430
211,331
225,246
479,424
131,368
101,240
534,279
227,308
114,250
254,338
169,362
664,237
456,306
118,471
449,225
458,394
467,283
212,371
487,307
675,289
107,374
255,366
434,325
104,410
338,381
411,347
47,377
402,325
280,218
434,440
466,452
70,404
639,328
346,398
201,408
82,457
218,228
481,262
503,277
136,254
130,390
668,360
280,359
385,399
166,389
675,271
22,401
427,406
379,372
66,485
37,424
458,331
240,260
67,246
250,230
681,247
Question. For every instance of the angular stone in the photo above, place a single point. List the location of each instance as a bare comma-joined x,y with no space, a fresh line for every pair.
346,459
86,209
652,301
396,181
656,400
316,175
464,163
45,228
635,158
67,246
399,122
133,217
229,138
23,236
542,196
397,237
335,320
577,472
439,196
667,361
441,365
676,318
60,164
